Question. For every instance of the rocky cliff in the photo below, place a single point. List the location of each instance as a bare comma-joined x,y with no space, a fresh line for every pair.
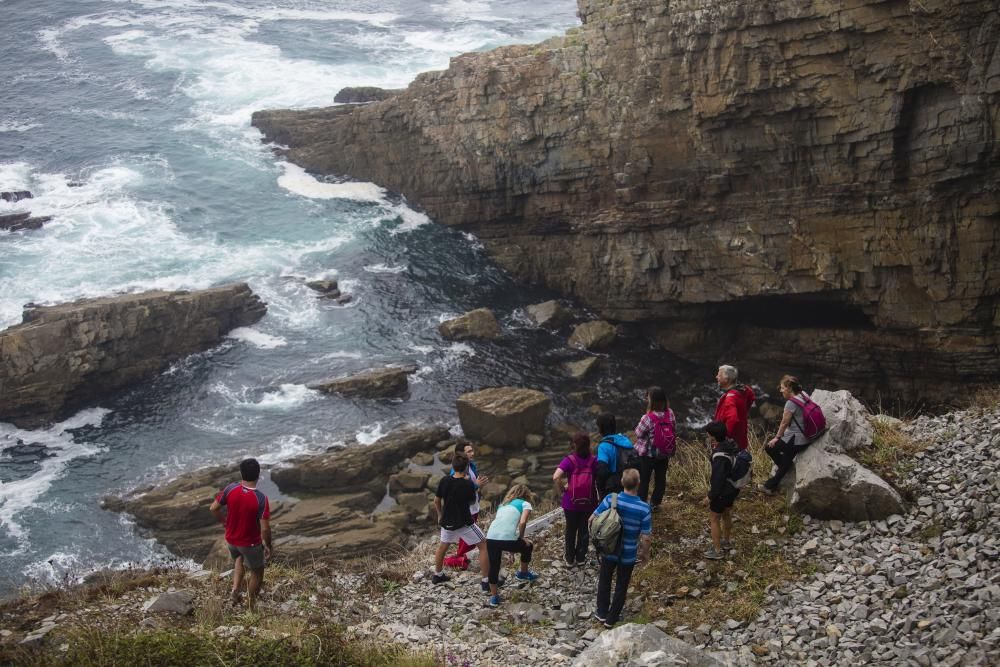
794,184
63,357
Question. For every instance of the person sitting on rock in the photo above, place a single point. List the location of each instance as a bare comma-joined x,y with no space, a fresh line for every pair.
248,529
637,530
721,493
614,454
454,496
733,408
459,559
655,441
576,479
506,534
791,440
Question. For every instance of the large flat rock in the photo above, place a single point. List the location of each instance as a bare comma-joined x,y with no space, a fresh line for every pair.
503,416
373,383
64,357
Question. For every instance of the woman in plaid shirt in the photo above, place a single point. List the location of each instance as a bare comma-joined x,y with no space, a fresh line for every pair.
655,443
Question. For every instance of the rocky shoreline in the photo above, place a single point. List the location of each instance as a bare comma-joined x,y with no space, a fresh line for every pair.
822,177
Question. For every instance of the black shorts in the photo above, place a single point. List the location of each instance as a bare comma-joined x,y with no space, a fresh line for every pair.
721,503
253,557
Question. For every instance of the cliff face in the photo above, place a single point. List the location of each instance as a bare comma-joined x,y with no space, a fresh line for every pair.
61,358
791,184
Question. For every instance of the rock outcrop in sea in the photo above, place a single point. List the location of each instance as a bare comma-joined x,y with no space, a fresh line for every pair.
64,357
807,187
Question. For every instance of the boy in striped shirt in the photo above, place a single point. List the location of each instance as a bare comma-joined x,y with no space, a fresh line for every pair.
637,531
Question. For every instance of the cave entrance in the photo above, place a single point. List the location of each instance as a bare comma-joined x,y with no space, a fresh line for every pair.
797,311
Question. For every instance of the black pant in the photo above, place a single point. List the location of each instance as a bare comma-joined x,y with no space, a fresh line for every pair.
577,535
650,467
624,575
495,549
783,454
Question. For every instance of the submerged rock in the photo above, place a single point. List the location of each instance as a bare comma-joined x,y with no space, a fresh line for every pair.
503,416
374,383
64,357
15,222
596,335
327,288
580,369
479,323
549,315
15,195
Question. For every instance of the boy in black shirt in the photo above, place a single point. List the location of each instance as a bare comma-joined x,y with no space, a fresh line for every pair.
454,494
721,493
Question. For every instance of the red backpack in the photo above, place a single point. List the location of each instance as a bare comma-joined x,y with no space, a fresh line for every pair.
582,486
813,420
664,434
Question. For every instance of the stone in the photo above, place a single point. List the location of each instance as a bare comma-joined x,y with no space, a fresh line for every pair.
828,484
595,335
549,315
534,442
15,195
503,416
516,466
327,288
364,94
642,644
385,382
407,481
850,257
580,369
176,602
479,323
64,357
16,222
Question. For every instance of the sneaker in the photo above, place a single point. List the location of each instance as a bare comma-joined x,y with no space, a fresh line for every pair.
601,618
485,585
526,576
712,554
608,625
494,601
726,545
235,598
440,578
581,563
766,490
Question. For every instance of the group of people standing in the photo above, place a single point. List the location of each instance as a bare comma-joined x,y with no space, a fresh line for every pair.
617,477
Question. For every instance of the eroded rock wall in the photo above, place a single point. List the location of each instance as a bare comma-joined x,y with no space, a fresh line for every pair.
63,357
798,165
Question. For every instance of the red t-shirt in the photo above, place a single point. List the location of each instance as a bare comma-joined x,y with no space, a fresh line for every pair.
244,510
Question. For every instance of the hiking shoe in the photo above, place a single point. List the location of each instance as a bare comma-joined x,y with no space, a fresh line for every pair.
494,601
440,578
766,490
526,576
712,554
601,618
726,545
609,624
581,563
235,598
485,585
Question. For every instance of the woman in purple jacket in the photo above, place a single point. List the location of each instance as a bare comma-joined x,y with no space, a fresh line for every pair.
576,478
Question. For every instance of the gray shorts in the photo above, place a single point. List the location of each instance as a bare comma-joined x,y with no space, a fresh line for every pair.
253,557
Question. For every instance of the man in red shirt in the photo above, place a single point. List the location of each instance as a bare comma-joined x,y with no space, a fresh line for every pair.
248,529
733,409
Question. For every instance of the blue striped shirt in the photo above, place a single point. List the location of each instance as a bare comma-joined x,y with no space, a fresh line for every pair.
637,519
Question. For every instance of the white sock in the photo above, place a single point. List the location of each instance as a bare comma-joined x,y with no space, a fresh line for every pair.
439,573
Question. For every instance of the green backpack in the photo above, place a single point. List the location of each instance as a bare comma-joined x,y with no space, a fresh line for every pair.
606,531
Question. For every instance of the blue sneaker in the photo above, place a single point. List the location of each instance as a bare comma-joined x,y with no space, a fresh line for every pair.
494,601
526,576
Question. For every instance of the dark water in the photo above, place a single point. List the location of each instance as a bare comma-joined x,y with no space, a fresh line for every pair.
130,123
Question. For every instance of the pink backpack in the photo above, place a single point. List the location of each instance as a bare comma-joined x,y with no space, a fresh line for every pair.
582,487
813,420
664,433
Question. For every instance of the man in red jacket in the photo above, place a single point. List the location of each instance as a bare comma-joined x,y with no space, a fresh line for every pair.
734,404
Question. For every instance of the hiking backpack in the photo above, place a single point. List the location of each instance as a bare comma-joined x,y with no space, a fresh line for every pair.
741,469
582,486
625,457
664,435
813,420
606,530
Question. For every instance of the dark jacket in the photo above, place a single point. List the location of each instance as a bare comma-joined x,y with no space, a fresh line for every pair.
609,477
721,467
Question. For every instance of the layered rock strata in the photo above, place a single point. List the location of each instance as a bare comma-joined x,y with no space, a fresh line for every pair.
805,185
64,357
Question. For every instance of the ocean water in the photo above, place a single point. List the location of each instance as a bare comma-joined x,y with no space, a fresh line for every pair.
129,121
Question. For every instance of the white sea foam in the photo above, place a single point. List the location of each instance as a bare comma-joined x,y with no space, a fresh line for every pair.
384,268
422,349
295,179
286,397
370,434
21,494
57,569
17,125
258,339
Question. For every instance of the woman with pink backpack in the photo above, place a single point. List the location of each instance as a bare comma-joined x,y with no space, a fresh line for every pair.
655,443
576,478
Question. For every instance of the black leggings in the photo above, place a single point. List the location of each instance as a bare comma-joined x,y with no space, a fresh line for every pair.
577,535
783,454
655,470
495,549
